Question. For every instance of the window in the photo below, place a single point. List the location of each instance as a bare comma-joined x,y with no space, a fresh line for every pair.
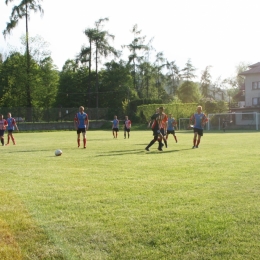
247,116
256,101
256,85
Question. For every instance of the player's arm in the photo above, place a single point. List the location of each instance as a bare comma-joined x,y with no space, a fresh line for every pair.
76,122
15,125
87,123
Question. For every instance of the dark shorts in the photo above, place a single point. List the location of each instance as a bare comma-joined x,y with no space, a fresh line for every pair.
10,131
199,131
2,132
81,130
127,129
156,132
171,132
115,129
162,131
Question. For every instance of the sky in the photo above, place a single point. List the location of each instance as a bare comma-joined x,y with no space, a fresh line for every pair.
217,33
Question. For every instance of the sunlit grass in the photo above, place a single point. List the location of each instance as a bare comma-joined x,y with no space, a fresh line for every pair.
114,200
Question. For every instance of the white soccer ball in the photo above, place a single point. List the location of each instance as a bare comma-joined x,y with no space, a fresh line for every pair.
58,152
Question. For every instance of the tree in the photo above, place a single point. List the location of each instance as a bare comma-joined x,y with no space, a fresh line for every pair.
188,92
135,46
205,82
173,77
188,71
18,12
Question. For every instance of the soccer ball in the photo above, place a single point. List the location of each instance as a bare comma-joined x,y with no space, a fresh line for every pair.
58,152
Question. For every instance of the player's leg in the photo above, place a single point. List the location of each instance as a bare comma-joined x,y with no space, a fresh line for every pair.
8,137
78,137
2,138
84,138
195,138
12,137
128,133
152,142
175,137
200,134
124,133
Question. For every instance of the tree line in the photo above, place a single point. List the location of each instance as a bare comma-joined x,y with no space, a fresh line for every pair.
98,76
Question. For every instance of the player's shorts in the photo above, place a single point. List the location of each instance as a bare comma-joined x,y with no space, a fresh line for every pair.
81,130
115,129
156,132
2,132
162,131
10,131
127,129
199,131
171,132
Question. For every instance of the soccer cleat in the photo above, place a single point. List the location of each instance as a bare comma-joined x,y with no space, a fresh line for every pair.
147,149
197,146
84,147
193,147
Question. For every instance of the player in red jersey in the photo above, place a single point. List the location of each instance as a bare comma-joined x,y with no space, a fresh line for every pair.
3,125
156,120
127,127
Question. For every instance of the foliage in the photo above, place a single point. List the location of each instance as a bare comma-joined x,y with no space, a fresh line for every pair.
189,92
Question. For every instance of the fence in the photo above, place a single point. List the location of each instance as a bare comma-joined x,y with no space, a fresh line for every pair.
62,114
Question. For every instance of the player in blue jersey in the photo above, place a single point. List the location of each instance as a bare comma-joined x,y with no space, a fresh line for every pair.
198,120
115,127
11,125
171,124
81,124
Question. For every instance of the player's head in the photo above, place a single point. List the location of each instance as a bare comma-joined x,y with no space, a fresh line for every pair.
161,109
170,115
199,109
81,109
9,114
1,116
126,117
115,117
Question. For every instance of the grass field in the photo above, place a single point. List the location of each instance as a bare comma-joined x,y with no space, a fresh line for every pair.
114,200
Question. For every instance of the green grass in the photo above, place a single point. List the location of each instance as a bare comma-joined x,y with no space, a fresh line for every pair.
114,200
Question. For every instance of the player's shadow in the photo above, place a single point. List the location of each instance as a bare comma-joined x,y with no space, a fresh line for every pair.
123,152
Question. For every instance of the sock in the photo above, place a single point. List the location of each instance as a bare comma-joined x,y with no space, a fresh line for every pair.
2,141
150,144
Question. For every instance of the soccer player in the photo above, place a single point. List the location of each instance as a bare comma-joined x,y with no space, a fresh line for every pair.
3,125
199,120
11,125
163,127
171,124
156,126
127,127
115,127
81,124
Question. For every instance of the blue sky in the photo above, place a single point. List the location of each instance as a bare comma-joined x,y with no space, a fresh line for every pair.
220,33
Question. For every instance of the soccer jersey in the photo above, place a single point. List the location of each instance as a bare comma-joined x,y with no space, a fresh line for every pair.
81,119
115,123
3,124
127,124
199,120
11,123
171,123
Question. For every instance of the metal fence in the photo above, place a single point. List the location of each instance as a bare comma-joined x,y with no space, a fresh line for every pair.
61,114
